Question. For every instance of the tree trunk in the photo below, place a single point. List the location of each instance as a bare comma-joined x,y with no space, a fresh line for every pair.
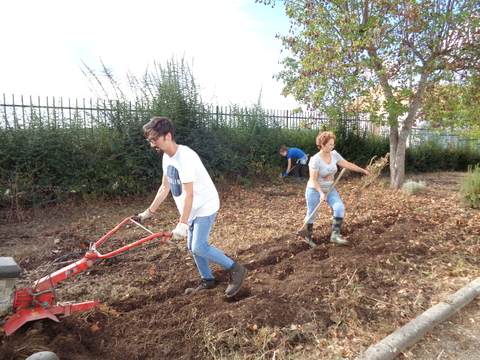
399,136
398,148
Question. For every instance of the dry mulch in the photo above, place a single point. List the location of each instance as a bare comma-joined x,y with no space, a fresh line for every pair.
405,254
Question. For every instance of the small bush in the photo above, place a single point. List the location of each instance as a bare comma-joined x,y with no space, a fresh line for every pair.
411,187
471,187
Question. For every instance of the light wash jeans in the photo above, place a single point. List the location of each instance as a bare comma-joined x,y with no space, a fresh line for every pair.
197,243
313,198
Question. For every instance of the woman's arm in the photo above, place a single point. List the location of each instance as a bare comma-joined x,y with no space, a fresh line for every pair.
348,165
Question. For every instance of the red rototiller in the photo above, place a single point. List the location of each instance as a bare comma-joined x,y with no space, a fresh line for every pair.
38,302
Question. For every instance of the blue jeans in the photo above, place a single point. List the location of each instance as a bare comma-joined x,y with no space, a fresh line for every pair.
313,198
197,243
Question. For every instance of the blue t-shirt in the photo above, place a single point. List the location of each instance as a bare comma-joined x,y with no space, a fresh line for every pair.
294,153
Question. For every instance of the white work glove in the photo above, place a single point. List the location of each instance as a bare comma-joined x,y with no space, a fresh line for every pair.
180,231
147,214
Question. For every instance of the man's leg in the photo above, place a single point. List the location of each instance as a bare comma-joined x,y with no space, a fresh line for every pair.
202,252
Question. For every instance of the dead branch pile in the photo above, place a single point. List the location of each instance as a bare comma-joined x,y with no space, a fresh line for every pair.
375,169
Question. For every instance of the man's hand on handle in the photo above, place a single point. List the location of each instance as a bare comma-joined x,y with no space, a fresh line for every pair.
180,232
147,214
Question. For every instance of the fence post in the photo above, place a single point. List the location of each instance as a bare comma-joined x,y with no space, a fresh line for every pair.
5,111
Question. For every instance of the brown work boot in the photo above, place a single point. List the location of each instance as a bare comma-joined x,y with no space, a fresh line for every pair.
204,284
236,273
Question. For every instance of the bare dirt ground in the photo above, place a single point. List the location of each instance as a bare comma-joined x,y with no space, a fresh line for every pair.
457,338
405,254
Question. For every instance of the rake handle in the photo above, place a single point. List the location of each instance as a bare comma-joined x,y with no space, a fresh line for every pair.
320,203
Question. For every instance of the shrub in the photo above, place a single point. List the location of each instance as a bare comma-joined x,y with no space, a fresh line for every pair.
432,156
470,187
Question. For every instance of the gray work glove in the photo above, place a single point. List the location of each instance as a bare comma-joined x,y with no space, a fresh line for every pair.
147,214
180,232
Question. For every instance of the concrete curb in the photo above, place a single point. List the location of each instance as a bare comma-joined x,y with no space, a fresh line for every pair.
411,333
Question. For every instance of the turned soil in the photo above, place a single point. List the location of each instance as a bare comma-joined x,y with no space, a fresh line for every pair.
405,254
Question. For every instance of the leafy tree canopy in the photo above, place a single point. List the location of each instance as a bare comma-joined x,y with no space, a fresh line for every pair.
345,50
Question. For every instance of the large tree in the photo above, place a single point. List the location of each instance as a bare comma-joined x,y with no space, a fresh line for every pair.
385,52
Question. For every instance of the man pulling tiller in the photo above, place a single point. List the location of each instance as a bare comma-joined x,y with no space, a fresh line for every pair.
197,200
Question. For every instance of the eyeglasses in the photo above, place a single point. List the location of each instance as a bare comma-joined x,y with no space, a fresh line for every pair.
152,140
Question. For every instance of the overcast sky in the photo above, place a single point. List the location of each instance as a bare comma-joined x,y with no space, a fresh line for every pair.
229,44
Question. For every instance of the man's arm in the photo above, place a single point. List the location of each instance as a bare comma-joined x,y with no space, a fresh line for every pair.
161,194
187,206
181,231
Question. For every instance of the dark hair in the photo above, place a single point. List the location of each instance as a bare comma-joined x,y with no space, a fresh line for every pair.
161,126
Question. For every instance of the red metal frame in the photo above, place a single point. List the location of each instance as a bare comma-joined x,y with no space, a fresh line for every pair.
37,303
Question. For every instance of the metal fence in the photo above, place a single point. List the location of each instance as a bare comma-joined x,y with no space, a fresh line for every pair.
21,113
36,112
30,112
446,139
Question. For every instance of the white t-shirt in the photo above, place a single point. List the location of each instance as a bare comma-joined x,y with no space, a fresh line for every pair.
185,167
326,172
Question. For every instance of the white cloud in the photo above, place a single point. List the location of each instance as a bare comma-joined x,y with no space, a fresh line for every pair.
230,44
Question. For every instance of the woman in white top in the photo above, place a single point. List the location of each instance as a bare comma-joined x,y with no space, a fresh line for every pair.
322,167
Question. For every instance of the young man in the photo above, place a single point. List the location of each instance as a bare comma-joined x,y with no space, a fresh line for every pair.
196,197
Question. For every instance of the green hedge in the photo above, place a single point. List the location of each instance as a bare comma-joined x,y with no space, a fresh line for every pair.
432,157
41,163
40,166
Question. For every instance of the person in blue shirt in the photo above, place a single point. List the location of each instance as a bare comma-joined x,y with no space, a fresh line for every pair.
301,161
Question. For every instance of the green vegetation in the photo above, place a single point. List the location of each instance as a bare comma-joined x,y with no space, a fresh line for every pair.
395,61
471,187
47,162
431,156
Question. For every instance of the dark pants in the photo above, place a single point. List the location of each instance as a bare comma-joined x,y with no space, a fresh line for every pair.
297,170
